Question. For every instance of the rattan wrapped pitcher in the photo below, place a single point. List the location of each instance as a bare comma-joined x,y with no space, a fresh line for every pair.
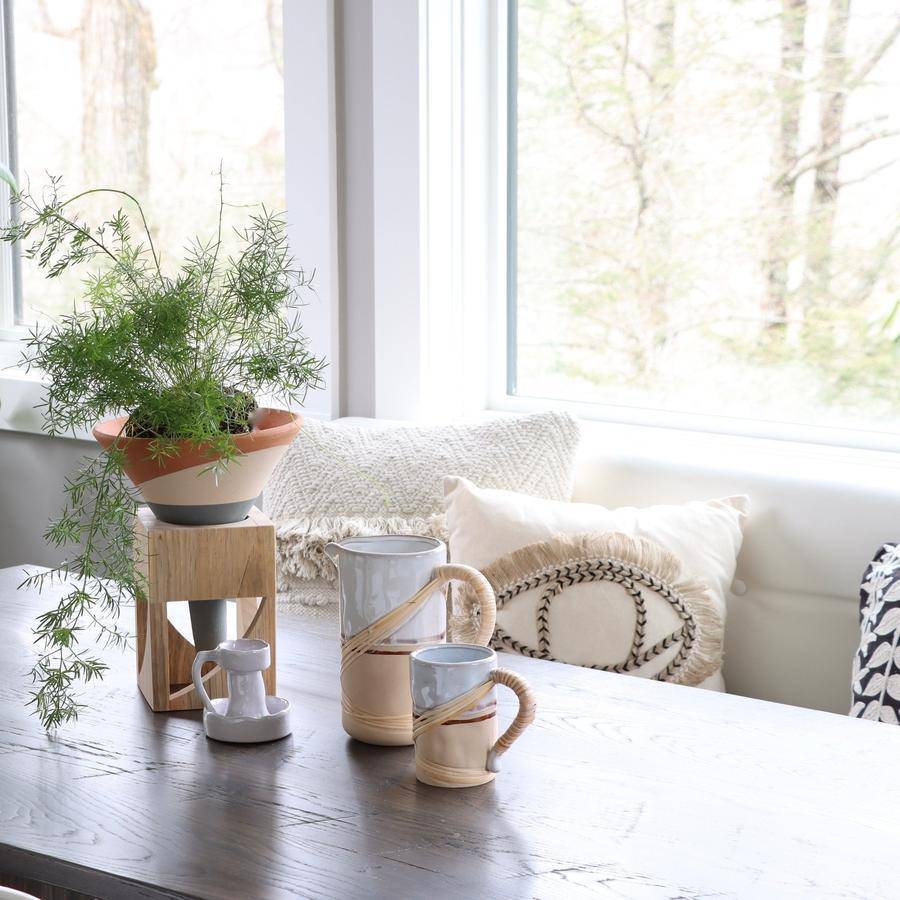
391,603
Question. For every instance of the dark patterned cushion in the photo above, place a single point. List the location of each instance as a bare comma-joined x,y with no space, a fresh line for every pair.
876,666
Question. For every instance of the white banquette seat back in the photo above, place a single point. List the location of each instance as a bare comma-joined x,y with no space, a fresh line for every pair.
817,517
818,514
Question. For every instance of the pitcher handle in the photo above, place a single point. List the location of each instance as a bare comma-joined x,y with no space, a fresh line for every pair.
524,717
202,657
483,591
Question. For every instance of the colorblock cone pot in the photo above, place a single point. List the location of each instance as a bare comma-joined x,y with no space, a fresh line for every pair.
179,491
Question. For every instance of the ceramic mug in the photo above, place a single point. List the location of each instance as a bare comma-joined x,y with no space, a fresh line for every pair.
376,576
454,699
244,660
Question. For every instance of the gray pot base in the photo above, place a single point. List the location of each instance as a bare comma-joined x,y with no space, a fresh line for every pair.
206,514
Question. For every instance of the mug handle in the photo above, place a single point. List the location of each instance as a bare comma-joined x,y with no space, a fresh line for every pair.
483,591
202,657
524,717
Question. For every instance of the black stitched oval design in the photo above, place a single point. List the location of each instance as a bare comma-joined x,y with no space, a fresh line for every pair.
556,579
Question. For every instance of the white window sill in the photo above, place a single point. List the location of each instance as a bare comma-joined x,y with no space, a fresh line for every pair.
21,392
711,425
21,395
10,348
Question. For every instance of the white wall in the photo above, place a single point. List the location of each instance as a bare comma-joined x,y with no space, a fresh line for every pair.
32,471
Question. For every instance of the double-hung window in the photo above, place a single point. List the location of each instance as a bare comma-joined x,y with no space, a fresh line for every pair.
674,212
698,217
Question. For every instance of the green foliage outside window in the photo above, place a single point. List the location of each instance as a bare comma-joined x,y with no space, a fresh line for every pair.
708,212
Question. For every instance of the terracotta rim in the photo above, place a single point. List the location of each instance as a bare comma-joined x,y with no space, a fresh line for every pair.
274,427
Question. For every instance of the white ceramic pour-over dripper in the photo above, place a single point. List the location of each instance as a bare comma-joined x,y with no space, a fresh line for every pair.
246,715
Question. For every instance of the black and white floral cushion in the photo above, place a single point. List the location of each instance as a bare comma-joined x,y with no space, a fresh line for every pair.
876,666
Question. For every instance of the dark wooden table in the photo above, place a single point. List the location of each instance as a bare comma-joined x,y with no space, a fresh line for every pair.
623,788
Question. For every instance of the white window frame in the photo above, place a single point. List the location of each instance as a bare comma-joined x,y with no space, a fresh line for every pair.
10,329
465,250
463,204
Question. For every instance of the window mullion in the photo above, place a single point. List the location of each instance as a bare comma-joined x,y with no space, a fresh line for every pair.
10,287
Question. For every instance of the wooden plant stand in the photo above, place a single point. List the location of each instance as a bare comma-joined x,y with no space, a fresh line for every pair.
202,562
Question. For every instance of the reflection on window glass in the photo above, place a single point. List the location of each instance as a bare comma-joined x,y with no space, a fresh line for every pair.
708,206
150,96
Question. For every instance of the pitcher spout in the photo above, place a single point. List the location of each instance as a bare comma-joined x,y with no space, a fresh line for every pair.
332,551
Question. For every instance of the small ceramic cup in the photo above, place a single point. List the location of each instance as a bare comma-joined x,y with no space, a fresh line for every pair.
244,661
455,713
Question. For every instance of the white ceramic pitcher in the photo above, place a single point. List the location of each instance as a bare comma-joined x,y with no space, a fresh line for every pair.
377,575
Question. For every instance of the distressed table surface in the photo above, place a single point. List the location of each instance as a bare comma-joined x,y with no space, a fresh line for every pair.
623,788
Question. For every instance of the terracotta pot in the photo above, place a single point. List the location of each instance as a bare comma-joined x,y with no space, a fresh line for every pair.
175,489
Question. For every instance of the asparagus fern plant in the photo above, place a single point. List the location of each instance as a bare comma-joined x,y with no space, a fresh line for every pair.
184,353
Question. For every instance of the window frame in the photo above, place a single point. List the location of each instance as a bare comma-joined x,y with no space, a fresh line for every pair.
464,266
310,190
12,328
509,129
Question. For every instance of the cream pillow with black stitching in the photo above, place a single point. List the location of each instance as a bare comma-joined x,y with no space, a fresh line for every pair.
639,591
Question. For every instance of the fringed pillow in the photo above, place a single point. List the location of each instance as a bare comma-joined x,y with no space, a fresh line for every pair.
607,601
702,537
340,479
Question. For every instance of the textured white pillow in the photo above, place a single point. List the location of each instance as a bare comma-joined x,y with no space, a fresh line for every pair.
485,524
342,479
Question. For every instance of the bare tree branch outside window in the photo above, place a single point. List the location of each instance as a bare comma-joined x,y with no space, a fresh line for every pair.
709,206
152,97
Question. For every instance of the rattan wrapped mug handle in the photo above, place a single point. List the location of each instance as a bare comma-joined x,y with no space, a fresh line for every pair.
482,590
524,717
